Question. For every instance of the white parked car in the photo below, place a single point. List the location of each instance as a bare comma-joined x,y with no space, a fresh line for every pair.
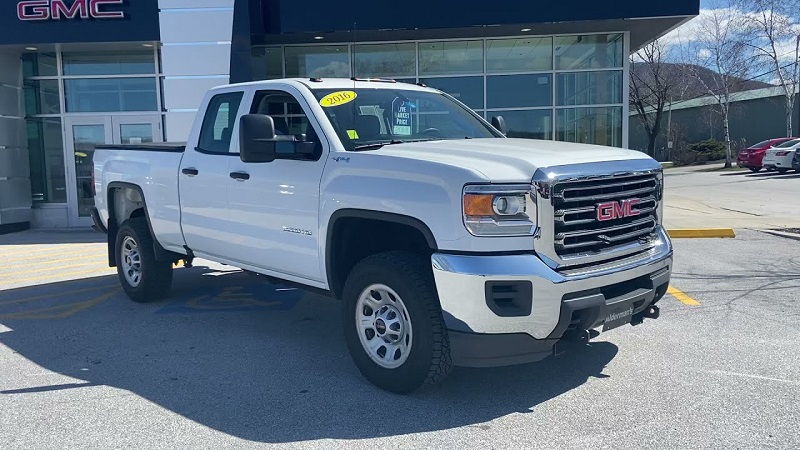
780,157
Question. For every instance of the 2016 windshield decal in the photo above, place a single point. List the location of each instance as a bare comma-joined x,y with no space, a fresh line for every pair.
40,10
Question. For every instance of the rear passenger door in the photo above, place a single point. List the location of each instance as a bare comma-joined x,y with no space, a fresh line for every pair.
204,180
276,208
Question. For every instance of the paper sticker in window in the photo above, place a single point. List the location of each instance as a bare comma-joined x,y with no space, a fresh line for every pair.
403,117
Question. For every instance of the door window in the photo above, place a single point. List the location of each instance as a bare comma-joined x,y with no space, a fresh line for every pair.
291,123
218,124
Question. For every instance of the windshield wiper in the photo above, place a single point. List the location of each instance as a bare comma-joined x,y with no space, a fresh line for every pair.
375,145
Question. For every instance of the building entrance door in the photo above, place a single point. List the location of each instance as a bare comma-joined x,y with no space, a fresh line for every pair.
83,133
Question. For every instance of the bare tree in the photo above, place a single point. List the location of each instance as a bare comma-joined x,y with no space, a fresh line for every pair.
773,32
653,83
717,44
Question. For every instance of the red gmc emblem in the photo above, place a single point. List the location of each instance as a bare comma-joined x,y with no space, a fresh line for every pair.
617,210
61,9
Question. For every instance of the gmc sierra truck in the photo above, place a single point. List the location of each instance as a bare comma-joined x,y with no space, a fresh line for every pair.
448,243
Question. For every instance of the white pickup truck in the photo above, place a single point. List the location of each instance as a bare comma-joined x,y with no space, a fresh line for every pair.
448,243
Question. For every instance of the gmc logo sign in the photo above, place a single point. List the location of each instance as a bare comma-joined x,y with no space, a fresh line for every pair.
617,210
37,10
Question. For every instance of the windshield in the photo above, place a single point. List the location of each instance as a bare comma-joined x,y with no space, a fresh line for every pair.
788,143
368,118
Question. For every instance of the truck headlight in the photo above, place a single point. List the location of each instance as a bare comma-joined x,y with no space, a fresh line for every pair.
499,210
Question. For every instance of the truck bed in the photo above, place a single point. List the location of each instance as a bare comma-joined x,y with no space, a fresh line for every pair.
152,168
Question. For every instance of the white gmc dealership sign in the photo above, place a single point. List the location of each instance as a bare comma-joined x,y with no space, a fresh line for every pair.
64,9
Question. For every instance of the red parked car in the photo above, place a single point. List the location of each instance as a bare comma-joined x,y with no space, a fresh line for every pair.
753,156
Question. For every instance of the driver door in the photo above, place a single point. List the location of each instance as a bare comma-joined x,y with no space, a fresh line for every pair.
275,205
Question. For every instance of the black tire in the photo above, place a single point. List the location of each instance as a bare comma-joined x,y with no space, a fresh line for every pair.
155,280
410,276
782,171
754,169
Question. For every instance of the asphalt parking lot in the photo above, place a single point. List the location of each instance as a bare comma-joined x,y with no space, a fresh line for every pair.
231,360
705,197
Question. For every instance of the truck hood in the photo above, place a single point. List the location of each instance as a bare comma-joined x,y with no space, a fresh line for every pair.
507,160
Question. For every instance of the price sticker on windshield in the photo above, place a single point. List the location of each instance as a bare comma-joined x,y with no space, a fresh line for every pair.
337,98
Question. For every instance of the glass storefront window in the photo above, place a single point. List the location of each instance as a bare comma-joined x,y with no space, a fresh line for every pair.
517,91
468,90
46,154
519,55
111,94
42,97
39,65
594,51
136,133
527,124
117,63
601,126
450,57
384,60
589,88
329,61
267,63
85,138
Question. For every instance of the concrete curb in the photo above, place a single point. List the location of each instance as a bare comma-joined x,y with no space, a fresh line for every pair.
691,233
782,234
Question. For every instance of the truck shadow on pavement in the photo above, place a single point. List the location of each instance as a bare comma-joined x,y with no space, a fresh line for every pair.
258,361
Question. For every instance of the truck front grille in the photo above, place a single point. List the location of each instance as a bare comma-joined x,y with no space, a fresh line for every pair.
578,229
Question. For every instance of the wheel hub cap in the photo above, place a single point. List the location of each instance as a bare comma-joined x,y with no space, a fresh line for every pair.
384,326
131,261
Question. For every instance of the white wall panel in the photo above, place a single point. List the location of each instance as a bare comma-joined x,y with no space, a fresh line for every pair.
10,99
188,92
13,162
50,217
179,125
12,132
196,52
15,184
210,25
198,60
10,72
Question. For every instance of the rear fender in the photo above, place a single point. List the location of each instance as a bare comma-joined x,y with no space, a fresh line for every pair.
124,202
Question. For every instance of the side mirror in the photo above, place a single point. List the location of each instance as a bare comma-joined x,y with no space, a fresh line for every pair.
257,138
500,124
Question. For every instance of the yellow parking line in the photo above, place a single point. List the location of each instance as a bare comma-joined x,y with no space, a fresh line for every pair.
23,268
15,263
52,258
60,311
682,297
18,251
59,277
702,233
50,296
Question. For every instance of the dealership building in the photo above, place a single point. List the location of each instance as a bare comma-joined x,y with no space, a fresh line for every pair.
77,73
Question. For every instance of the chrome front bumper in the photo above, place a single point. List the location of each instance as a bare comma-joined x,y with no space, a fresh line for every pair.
461,284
